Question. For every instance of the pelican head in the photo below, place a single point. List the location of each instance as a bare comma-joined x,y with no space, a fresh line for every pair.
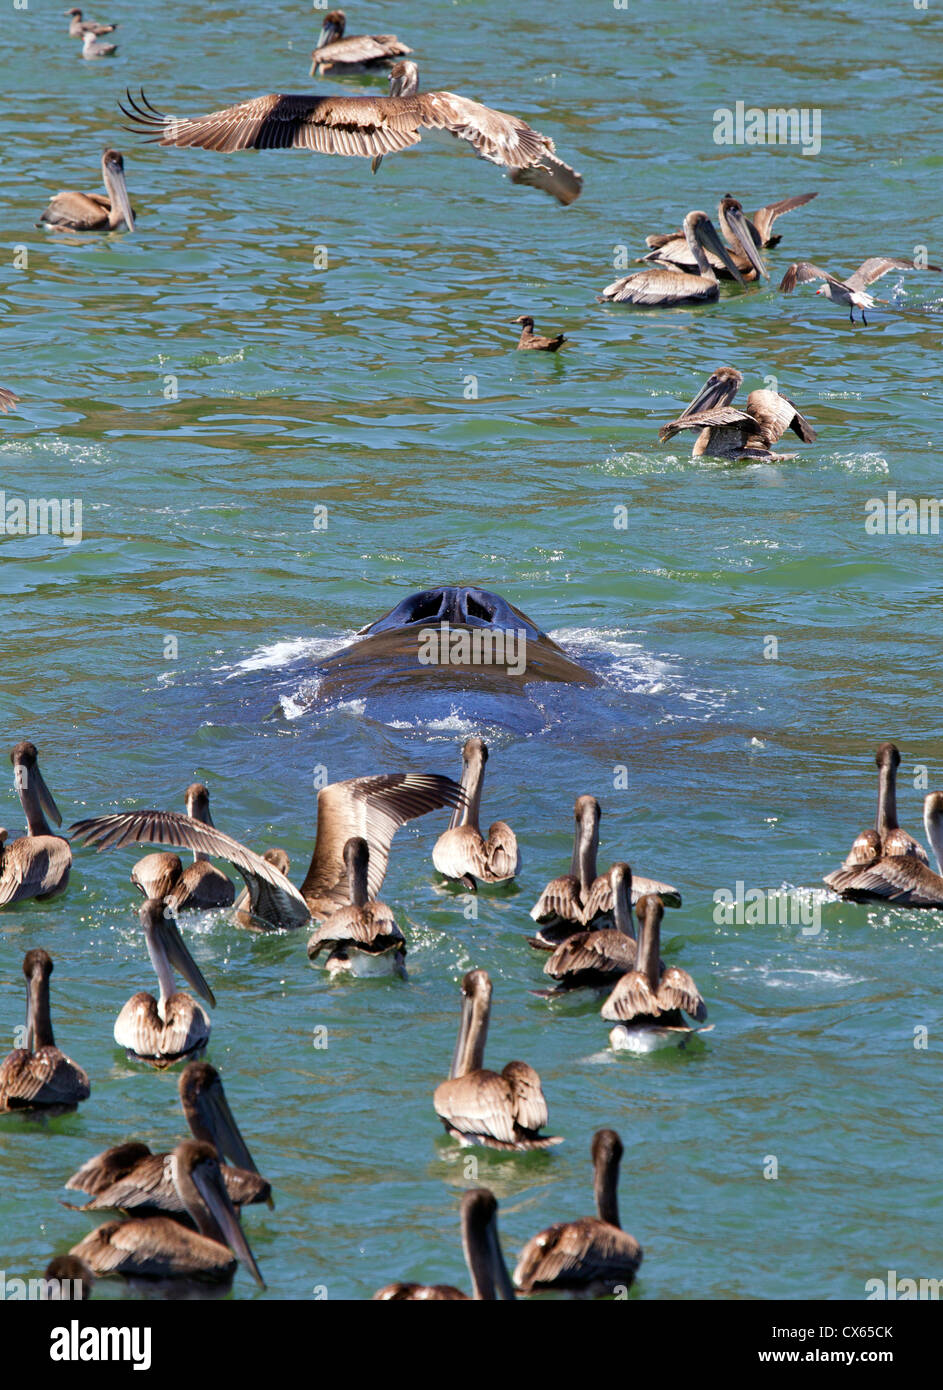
719,389
490,1278
114,181
332,28
167,951
209,1116
475,751
404,79
28,780
473,1029
701,235
197,801
888,755
202,1190
737,230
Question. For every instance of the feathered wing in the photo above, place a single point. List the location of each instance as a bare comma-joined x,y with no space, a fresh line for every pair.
373,809
154,1246
370,927
876,266
715,418
46,1077
560,900
631,998
602,951
801,272
764,217
578,1252
361,48
127,1177
895,878
33,865
479,1104
530,1107
599,899
503,856
8,399
774,414
551,176
676,990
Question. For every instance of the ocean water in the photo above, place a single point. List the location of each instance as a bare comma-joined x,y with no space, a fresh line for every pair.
349,388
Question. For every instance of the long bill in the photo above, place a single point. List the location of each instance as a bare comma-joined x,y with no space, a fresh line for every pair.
118,188
210,1186
740,230
706,234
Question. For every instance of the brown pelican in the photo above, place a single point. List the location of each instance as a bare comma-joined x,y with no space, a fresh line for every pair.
482,1247
79,27
662,286
903,879
675,253
359,126
92,47
726,432
201,884
165,1030
598,958
852,290
242,912
886,840
90,212
37,864
359,53
7,399
590,1256
580,898
38,1077
760,225
157,1247
362,937
66,1279
501,1110
462,852
647,1002
131,1178
530,339
370,807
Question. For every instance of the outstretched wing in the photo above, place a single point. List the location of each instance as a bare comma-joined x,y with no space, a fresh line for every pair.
631,998
801,272
599,899
876,266
707,419
676,990
7,399
774,414
764,217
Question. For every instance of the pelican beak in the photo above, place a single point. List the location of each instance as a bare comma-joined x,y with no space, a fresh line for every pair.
182,961
458,1056
30,1020
119,196
501,1280
225,1131
707,236
738,226
49,807
209,1184
715,392
326,36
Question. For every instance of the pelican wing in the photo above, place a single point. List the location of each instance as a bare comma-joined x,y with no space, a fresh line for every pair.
676,990
7,399
631,998
658,285
551,176
46,1077
504,859
153,1245
801,272
140,1029
481,1103
578,1252
599,899
112,1165
876,266
127,1177
32,866
560,900
764,217
598,950
775,414
372,925
530,1107
373,809
718,417
80,211
361,48
899,879
273,896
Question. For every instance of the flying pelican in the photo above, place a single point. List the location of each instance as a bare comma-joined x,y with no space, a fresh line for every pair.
38,1077
662,286
726,432
359,126
647,1002
886,840
201,884
370,807
590,1256
93,48
501,1110
482,1247
852,290
462,852
165,1030
580,898
90,212
359,53
363,937
131,1178
7,399
79,27
530,339
760,225
37,864
902,879
598,958
157,1247
675,253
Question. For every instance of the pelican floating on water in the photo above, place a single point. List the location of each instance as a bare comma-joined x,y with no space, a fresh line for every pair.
501,1110
362,127
597,959
370,807
663,286
174,1026
590,1256
532,340
482,1247
37,864
904,879
79,27
675,253
201,884
462,852
90,212
852,290
580,898
726,432
92,47
647,1002
131,1178
358,53
886,841
363,937
157,1247
39,1077
760,225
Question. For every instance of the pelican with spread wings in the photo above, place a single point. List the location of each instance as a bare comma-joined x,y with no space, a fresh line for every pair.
725,431
853,290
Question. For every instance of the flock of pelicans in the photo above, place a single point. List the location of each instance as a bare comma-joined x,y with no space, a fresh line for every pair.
180,1211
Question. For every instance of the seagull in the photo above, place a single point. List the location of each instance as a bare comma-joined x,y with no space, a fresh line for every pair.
91,48
852,290
79,27
726,432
